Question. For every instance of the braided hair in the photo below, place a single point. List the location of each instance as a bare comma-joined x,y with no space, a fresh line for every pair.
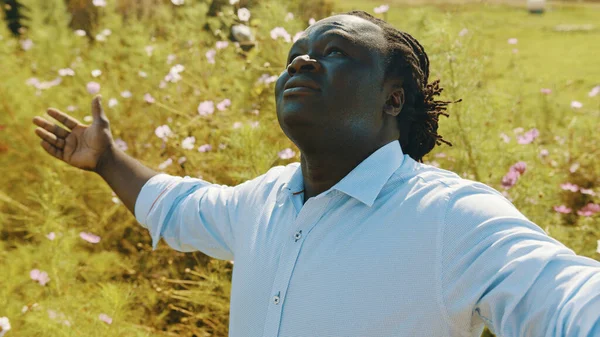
418,119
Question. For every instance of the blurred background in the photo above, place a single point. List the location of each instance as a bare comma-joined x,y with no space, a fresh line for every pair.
188,87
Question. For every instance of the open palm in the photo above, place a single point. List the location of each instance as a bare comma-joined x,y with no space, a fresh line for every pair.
83,145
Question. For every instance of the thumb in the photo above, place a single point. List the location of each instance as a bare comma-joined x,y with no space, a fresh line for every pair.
97,112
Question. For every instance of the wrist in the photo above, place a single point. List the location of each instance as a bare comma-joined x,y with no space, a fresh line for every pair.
106,161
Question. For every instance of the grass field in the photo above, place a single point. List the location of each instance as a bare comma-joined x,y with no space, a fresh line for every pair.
526,81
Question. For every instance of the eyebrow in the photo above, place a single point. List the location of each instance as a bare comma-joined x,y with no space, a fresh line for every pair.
328,34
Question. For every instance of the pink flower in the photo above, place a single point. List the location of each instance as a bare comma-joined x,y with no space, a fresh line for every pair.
544,153
105,318
120,143
587,191
149,99
595,91
381,9
210,55
576,105
188,143
221,44
589,210
562,209
206,108
165,164
512,41
546,91
237,125
513,175
569,187
574,167
126,94
204,148
278,32
519,167
266,79
51,236
243,14
89,237
286,153
463,32
505,137
224,104
528,136
99,3
163,132
26,44
93,87
40,276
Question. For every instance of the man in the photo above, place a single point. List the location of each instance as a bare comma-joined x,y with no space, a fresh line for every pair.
359,238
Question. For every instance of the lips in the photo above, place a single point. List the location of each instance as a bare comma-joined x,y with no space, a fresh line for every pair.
301,83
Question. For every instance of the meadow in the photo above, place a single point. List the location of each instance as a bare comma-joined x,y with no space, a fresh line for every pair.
186,100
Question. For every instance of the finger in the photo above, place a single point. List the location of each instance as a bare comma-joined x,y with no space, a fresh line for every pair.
97,111
62,117
50,138
52,150
55,129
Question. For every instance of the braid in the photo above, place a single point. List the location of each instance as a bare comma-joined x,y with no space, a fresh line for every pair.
418,120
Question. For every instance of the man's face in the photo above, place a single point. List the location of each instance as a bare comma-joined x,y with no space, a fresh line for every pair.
341,58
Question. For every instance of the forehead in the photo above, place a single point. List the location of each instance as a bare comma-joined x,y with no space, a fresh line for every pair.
361,31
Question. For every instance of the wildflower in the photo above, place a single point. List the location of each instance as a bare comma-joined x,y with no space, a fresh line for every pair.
381,9
463,32
297,36
99,3
574,167
210,56
576,105
4,325
512,41
224,104
569,187
149,50
311,21
188,143
206,108
89,237
96,72
243,14
121,145
163,132
544,153
237,125
80,32
177,2
595,91
171,58
286,154
562,209
546,91
26,44
505,137
148,98
222,146
221,44
254,124
513,175
181,160
519,167
233,2
518,130
66,72
266,79
93,87
280,32
165,164
142,74
100,37
88,119
173,75
528,137
51,236
126,94
40,276
587,191
589,210
104,317
289,16
204,148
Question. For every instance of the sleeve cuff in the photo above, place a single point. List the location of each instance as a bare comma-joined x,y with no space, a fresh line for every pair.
152,190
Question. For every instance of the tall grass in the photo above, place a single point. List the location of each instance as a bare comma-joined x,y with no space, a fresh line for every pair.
168,293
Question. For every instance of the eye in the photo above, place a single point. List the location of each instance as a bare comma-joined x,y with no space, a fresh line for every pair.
333,50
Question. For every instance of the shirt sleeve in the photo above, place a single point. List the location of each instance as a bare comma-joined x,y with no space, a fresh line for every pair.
501,270
190,214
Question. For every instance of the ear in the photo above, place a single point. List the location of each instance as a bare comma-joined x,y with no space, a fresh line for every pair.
395,101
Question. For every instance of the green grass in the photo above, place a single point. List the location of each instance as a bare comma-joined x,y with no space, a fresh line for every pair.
151,293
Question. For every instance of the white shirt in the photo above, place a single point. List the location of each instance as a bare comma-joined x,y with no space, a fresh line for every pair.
396,248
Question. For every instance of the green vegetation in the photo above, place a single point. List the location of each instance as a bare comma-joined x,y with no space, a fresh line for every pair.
168,293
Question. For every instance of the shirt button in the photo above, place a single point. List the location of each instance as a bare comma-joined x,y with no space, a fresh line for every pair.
298,235
276,299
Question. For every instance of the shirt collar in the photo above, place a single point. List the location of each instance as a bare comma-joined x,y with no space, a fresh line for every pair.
366,180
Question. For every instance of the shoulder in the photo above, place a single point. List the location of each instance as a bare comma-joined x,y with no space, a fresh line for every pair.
272,179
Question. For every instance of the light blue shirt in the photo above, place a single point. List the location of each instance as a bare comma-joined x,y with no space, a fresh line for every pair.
395,248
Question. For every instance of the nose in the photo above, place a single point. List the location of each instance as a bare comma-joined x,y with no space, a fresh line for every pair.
303,63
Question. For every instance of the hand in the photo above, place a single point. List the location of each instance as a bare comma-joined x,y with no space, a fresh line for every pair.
83,146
